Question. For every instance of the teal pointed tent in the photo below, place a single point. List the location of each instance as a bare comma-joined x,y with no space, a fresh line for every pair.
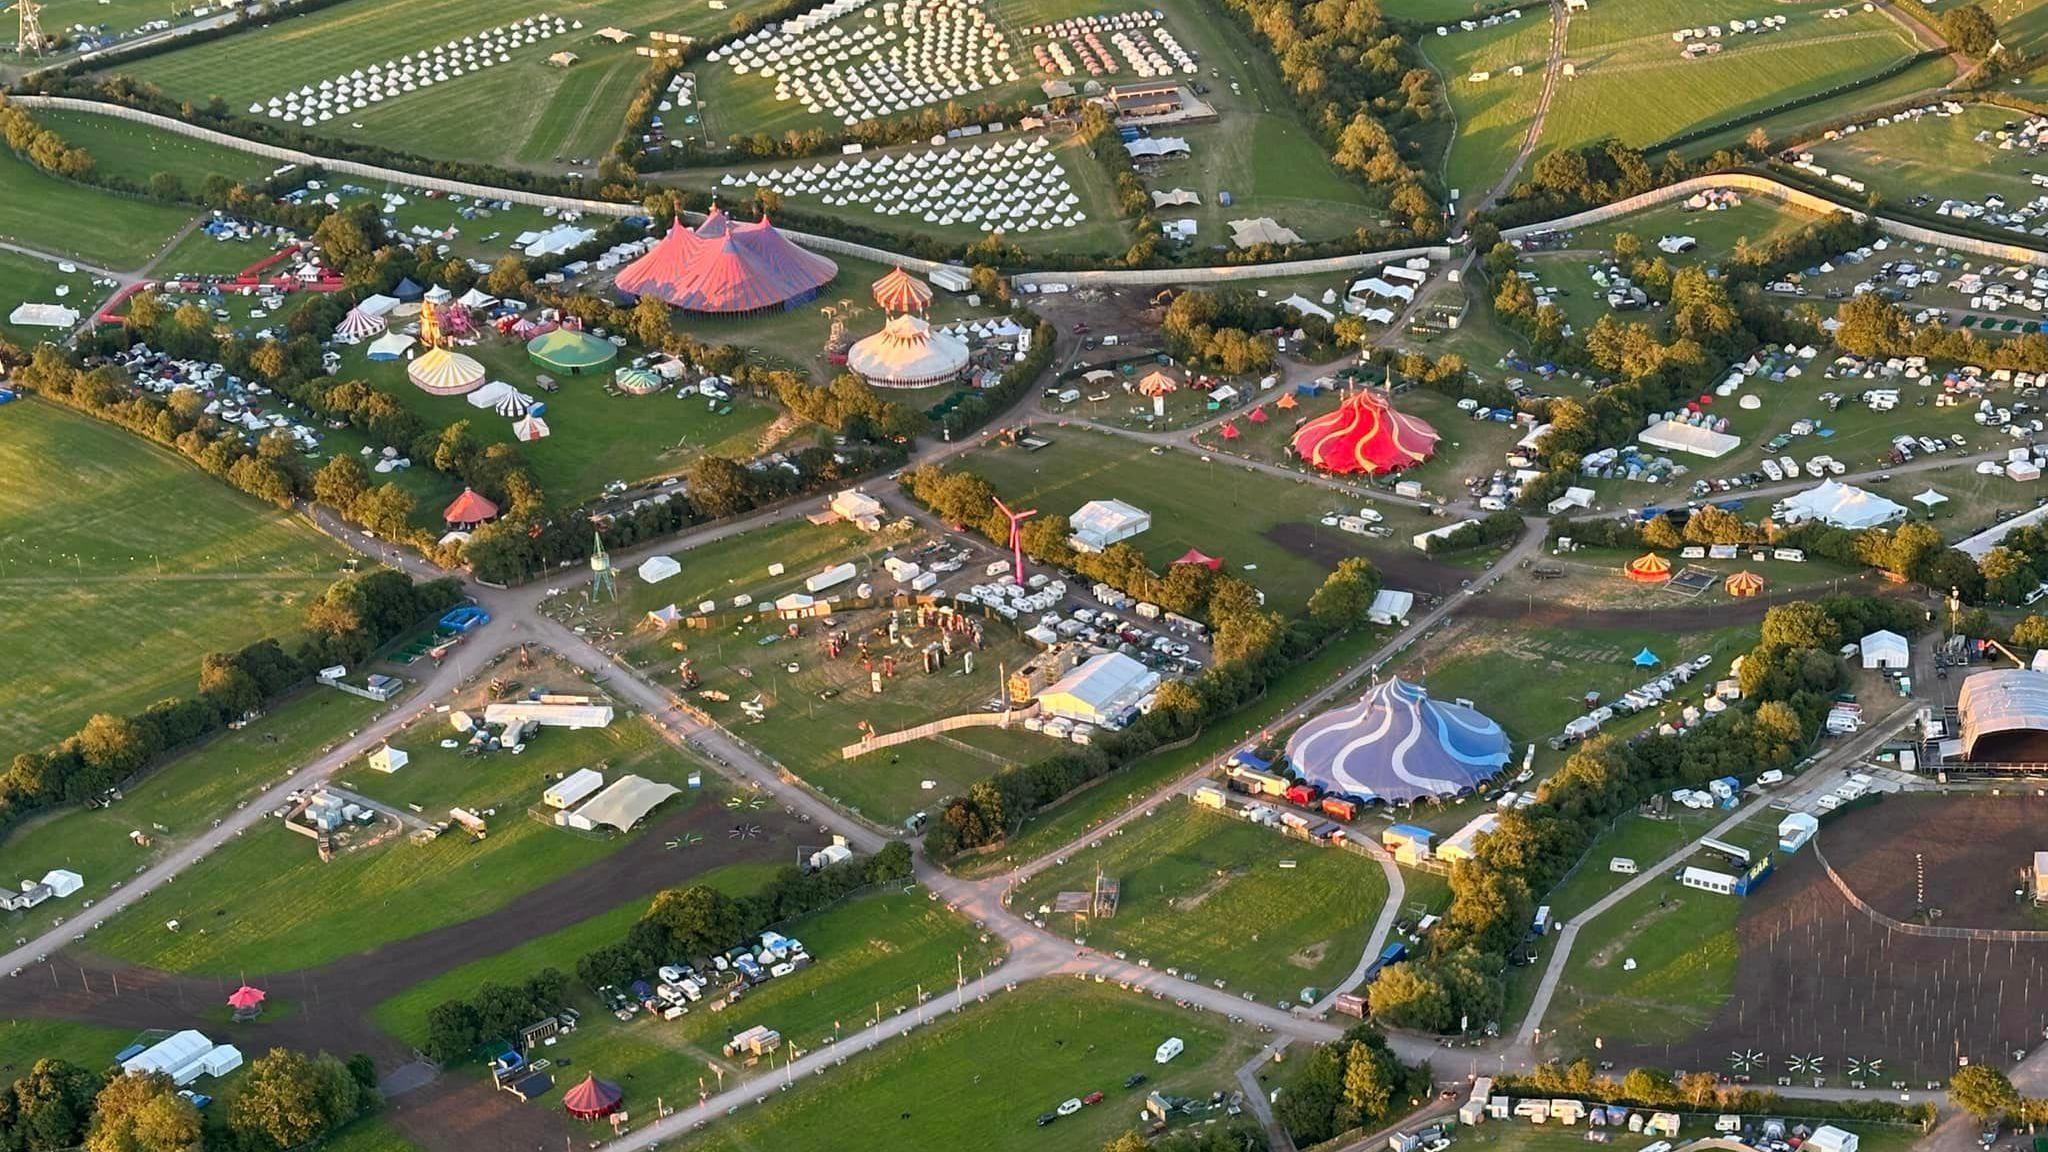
1647,659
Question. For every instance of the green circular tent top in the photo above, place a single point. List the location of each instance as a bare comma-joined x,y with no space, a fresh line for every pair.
569,351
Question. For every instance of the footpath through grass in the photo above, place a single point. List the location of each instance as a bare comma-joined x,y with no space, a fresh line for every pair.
1211,895
980,1079
265,902
122,565
177,801
51,215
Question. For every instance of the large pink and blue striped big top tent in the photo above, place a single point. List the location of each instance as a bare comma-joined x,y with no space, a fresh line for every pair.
727,267
1397,745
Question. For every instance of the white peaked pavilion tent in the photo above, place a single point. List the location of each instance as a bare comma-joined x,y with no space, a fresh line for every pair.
655,569
1841,506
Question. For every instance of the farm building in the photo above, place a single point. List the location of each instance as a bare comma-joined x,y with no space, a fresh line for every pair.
573,789
1365,435
623,803
1100,523
550,714
2004,717
1398,745
728,268
1106,690
1884,649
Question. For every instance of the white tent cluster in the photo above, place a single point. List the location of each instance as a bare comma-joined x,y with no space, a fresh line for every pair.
502,398
360,88
924,52
973,331
1014,187
1146,48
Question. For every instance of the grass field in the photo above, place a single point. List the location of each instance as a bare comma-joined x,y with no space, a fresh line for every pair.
26,280
1224,510
1206,893
596,438
1756,219
23,1042
523,112
1633,84
1638,838
136,152
404,1015
872,952
1682,941
57,216
267,903
177,800
201,255
372,1135
1044,1043
1934,157
124,566
1493,115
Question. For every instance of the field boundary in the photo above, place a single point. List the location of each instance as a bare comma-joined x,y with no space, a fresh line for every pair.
1936,932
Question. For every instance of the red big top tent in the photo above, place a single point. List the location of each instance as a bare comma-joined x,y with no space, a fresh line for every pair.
1195,556
1365,434
592,1098
469,510
727,267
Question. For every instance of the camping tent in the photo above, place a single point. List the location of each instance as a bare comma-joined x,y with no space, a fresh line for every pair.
1366,435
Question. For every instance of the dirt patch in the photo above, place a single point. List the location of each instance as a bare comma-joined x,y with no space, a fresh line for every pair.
1197,898
1609,954
1402,566
1311,956
1968,855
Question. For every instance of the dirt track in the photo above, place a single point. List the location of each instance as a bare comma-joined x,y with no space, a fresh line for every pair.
329,1007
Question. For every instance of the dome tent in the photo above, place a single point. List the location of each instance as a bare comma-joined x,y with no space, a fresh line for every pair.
1365,435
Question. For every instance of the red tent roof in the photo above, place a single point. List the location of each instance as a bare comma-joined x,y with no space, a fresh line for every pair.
900,292
726,266
244,998
469,508
1257,415
1365,434
592,1098
1194,556
1230,432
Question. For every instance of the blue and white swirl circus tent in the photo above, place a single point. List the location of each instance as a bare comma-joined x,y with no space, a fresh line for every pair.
1397,746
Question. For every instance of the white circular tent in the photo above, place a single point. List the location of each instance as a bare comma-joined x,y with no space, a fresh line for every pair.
907,353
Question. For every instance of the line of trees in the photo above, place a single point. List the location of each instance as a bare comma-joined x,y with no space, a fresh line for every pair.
284,1099
1786,682
354,617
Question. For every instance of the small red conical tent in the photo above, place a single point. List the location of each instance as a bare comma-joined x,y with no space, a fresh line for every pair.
1195,556
469,510
1230,432
245,998
1257,415
592,1099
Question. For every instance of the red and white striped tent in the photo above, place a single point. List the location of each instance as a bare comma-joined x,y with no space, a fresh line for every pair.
727,267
